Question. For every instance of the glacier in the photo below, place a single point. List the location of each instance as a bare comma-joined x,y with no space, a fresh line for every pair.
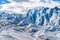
41,23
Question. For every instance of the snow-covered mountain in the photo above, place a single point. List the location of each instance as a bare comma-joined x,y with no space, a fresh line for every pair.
36,22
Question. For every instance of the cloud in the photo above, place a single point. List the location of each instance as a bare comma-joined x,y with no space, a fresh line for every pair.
23,7
21,0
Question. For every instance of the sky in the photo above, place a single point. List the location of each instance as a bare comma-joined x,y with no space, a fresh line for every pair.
57,0
4,2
